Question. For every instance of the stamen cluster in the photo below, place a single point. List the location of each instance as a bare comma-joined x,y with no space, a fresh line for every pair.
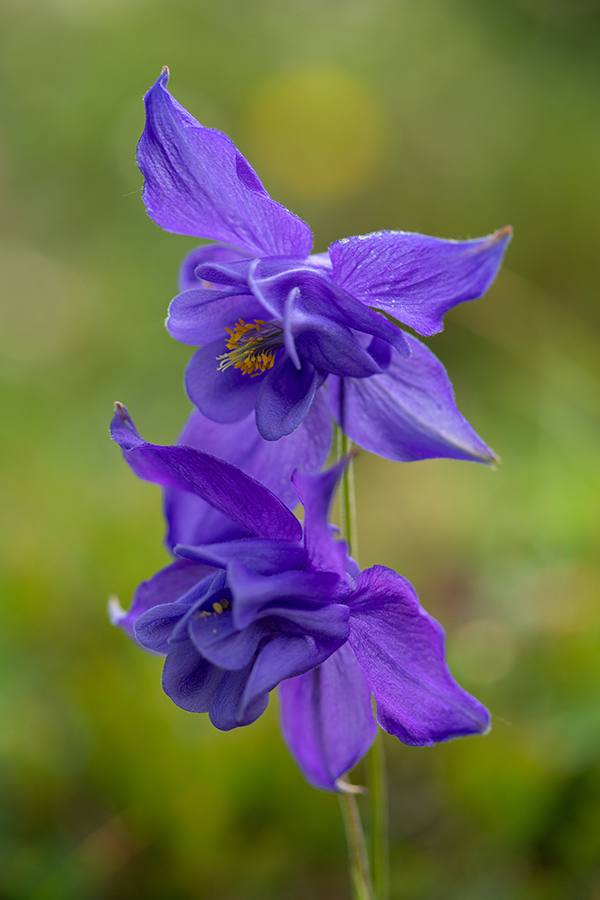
252,347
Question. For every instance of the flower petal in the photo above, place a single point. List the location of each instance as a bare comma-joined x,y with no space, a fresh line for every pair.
253,593
227,708
267,557
406,413
154,628
316,495
225,396
285,397
271,281
221,484
166,623
327,718
198,183
215,636
415,277
207,253
188,679
400,649
200,316
192,521
166,586
286,656
330,347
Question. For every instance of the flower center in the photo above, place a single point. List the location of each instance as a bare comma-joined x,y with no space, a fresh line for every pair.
218,607
252,347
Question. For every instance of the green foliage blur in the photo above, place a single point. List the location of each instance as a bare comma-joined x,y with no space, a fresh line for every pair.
450,117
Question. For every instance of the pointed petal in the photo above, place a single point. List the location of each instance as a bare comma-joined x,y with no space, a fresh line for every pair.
198,183
414,277
327,718
406,413
285,397
225,396
400,649
166,586
316,495
192,521
221,484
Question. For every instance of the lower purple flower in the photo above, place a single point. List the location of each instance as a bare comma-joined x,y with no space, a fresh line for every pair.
285,605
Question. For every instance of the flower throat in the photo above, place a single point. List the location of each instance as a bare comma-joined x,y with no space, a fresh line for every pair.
252,347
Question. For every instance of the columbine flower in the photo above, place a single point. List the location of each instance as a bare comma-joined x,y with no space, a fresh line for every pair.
275,323
287,606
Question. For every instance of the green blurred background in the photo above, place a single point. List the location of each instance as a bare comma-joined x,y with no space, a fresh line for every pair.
450,117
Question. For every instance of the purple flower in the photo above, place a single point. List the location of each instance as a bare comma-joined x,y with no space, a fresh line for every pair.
276,324
286,605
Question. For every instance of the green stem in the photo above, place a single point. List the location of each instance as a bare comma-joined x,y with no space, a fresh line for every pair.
379,819
348,499
359,862
375,758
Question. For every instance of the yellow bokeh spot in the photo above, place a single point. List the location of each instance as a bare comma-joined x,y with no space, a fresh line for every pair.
318,131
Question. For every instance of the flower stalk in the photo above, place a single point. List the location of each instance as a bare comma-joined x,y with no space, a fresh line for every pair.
359,861
378,887
377,782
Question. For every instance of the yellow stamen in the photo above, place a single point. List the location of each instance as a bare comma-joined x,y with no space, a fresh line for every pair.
217,607
252,347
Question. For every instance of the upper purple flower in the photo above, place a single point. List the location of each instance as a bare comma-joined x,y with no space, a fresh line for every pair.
275,323
287,606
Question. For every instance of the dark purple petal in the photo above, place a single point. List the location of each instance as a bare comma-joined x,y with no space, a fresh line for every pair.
316,495
253,593
327,718
228,709
193,521
164,624
188,679
329,621
285,397
232,274
221,484
286,656
415,277
407,412
266,557
329,347
272,281
400,649
154,628
225,396
198,183
219,641
207,253
381,352
166,586
200,316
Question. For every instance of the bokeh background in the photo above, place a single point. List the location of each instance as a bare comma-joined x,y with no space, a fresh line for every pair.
450,117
